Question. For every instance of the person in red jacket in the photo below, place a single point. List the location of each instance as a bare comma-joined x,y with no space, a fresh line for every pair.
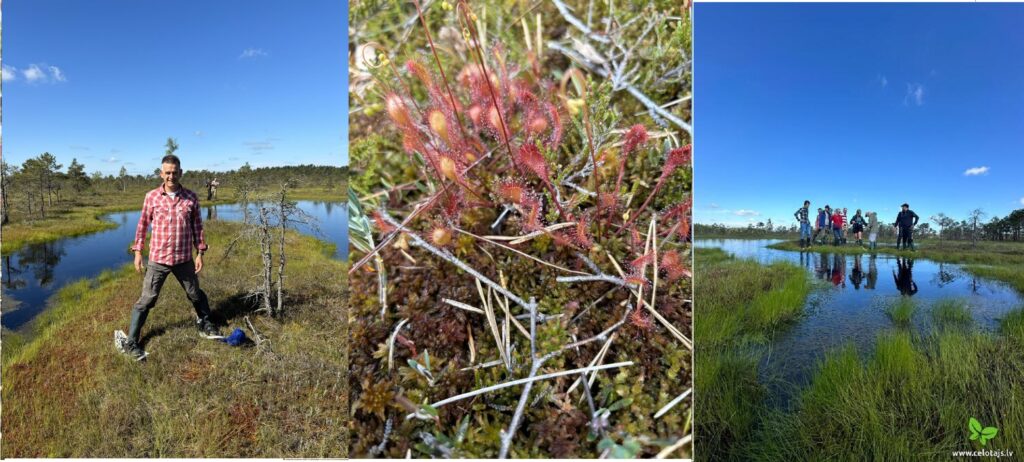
837,227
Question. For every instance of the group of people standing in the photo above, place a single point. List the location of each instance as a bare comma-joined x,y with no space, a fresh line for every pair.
834,222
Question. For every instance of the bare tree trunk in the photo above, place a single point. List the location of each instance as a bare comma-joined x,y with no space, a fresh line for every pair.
283,215
244,193
3,200
265,244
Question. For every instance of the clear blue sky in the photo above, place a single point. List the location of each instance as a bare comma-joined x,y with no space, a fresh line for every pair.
107,82
857,105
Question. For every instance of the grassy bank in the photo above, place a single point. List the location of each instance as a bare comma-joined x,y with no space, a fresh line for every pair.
997,260
912,398
84,214
67,392
741,304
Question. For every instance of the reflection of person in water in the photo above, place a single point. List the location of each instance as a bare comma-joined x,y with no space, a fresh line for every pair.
857,275
839,270
822,270
872,273
905,279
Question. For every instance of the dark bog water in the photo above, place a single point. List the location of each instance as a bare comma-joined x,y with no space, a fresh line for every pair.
850,306
35,272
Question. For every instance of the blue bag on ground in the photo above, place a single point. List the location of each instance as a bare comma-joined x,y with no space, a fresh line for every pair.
236,338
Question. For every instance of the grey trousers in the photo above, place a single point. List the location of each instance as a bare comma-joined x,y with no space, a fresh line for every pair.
156,274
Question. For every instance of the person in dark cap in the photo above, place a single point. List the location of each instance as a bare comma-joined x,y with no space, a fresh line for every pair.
905,222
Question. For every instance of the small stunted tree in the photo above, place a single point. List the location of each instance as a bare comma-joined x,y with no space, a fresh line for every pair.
122,177
975,216
280,213
943,222
77,178
245,187
171,146
287,213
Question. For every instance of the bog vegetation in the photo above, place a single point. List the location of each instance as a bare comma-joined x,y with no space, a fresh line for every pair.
912,396
521,238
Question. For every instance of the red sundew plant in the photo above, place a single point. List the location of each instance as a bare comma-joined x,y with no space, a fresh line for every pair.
523,186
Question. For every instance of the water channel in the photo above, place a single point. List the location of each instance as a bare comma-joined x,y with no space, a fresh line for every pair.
32,274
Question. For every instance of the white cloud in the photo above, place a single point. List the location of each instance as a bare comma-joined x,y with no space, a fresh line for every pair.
747,213
915,94
110,160
9,73
1022,201
714,205
198,133
34,74
974,171
252,53
882,80
58,75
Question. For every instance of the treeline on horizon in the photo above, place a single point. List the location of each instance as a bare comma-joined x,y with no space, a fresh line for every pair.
938,226
41,182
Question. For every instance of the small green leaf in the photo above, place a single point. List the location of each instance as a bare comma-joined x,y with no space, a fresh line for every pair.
989,432
974,425
605,443
974,435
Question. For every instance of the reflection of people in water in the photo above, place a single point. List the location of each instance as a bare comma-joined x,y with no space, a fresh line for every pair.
872,273
839,270
857,275
905,279
211,212
822,270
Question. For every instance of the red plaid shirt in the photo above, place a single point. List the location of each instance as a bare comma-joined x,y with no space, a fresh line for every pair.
177,226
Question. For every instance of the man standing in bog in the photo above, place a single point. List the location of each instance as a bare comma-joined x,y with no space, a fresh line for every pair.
174,214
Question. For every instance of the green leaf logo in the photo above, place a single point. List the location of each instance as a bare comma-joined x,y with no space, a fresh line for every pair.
982,435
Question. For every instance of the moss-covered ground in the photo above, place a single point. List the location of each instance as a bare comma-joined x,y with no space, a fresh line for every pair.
68,393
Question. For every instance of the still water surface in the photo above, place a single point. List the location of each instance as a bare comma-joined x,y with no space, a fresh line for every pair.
850,305
35,272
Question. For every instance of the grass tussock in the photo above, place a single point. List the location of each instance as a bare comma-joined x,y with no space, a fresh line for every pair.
951,313
902,312
911,399
741,304
68,393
